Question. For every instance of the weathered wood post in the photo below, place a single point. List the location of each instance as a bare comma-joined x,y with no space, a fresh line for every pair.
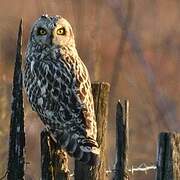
168,157
17,136
54,162
85,172
122,140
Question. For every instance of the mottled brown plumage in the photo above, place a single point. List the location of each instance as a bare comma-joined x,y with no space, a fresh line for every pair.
59,89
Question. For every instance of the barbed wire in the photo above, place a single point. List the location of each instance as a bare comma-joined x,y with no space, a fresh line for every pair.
140,168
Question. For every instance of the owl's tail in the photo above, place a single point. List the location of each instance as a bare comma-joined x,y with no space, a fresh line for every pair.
84,149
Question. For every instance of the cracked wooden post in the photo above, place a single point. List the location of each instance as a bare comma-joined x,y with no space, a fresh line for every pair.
85,172
17,135
54,162
122,140
168,157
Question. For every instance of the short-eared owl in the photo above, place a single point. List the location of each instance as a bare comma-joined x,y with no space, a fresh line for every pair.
59,89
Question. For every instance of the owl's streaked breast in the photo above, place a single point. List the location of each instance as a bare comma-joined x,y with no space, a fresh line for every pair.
58,87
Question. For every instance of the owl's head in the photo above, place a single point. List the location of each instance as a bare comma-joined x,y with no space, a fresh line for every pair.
52,31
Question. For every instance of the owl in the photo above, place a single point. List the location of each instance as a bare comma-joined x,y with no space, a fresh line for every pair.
58,87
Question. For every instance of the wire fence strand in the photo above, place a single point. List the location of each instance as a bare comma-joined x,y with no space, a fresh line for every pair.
140,168
143,168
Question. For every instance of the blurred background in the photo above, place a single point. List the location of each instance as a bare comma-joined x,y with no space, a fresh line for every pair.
133,45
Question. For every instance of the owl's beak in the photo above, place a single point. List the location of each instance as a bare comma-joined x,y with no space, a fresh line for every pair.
51,39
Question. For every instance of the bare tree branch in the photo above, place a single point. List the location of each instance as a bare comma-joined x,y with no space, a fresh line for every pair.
125,23
167,115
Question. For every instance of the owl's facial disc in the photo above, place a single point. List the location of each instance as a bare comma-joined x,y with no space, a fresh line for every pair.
53,31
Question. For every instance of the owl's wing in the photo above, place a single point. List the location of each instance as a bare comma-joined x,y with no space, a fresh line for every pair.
70,90
68,85
84,96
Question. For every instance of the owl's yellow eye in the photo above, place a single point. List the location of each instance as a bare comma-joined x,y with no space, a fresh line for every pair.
61,31
41,31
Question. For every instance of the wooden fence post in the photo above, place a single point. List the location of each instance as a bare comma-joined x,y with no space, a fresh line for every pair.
54,162
17,136
168,158
85,172
122,141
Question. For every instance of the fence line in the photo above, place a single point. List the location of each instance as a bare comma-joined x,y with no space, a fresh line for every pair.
141,168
